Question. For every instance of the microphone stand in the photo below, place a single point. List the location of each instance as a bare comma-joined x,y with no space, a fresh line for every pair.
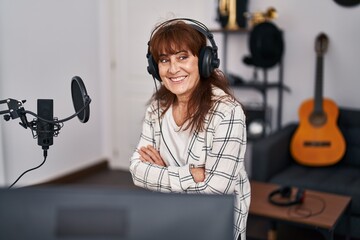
44,127
15,110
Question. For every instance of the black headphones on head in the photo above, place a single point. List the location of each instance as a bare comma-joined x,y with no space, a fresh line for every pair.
285,193
208,56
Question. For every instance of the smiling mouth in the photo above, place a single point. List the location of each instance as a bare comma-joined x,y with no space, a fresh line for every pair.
177,79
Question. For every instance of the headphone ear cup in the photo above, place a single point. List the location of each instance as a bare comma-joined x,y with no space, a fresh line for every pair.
206,58
286,192
300,195
153,68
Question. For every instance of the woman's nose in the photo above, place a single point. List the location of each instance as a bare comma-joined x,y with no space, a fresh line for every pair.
174,67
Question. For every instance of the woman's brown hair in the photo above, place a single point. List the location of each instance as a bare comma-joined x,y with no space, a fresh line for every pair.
169,38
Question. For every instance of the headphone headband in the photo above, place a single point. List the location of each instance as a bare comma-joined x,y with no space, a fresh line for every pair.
208,56
200,25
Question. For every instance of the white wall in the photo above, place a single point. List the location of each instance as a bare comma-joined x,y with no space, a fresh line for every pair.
2,170
43,44
301,21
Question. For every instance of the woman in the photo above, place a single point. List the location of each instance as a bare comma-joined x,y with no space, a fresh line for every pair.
193,138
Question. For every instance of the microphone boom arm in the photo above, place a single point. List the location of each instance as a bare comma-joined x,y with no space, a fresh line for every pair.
15,110
45,129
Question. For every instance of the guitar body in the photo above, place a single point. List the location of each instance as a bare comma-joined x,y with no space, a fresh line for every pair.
318,141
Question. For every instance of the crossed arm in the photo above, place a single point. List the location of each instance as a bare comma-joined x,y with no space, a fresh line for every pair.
224,159
151,155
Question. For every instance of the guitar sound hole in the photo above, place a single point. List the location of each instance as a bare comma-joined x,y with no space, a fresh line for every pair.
317,144
317,119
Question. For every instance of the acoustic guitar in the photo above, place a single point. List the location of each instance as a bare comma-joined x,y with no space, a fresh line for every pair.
318,141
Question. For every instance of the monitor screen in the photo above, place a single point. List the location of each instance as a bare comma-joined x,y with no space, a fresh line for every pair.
109,213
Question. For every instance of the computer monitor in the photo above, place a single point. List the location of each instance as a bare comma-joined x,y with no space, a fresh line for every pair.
109,213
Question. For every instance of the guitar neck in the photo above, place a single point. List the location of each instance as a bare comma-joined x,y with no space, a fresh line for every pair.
318,104
321,45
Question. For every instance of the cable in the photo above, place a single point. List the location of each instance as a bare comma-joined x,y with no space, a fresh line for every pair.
302,212
31,169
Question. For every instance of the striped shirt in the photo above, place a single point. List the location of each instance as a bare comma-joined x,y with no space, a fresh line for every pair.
220,148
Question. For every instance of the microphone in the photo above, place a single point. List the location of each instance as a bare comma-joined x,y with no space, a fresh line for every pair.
45,130
45,126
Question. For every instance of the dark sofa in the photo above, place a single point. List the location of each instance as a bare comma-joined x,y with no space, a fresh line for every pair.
272,162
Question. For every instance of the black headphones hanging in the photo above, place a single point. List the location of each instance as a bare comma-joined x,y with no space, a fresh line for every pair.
285,193
208,56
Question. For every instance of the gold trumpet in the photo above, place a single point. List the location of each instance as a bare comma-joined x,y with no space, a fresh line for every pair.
228,8
259,17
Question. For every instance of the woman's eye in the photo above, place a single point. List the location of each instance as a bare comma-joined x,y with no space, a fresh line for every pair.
183,57
163,60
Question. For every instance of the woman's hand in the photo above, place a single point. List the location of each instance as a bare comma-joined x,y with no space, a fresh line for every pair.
151,155
198,174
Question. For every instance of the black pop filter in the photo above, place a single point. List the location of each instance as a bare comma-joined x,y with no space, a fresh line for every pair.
80,99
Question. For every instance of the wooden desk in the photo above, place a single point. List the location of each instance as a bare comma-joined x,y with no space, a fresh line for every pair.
319,210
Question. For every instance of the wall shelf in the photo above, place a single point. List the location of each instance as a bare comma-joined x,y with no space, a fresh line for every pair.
261,86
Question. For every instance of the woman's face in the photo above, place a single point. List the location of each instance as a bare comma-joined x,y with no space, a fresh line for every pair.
179,73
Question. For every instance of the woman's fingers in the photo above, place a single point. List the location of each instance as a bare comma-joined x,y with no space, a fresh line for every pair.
151,155
144,155
198,174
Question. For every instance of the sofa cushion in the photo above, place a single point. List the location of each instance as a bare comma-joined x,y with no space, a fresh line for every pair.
349,124
343,180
